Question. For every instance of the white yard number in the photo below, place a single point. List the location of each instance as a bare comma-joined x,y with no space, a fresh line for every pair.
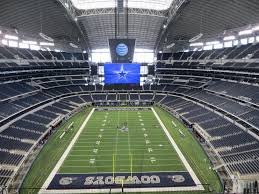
92,161
153,159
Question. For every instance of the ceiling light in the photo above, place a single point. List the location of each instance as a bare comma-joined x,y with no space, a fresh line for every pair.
196,38
229,38
196,44
46,43
4,42
73,45
170,45
206,48
23,45
256,28
44,36
212,42
11,37
245,32
29,42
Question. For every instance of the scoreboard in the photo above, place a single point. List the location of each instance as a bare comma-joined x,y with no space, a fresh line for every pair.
122,50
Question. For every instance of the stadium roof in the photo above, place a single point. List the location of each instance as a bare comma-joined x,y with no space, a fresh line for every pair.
34,16
211,18
143,4
153,23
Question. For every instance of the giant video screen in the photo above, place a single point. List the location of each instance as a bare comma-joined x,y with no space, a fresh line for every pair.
122,73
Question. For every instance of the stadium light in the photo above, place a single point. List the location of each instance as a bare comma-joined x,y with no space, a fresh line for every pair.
11,37
229,38
44,36
212,42
218,46
245,32
34,47
47,44
29,42
16,31
208,47
4,42
13,43
256,28
66,5
23,45
170,45
197,44
73,45
196,38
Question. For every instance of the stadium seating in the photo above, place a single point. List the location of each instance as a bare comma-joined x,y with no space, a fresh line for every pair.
29,106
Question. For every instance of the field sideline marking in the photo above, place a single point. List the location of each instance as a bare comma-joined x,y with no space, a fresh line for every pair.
186,164
65,154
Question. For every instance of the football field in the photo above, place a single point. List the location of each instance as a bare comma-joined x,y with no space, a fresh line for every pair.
104,146
122,148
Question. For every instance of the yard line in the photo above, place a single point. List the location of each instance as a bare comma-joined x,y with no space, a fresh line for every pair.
105,166
152,142
130,155
92,133
121,160
153,171
100,155
116,148
124,150
110,138
135,145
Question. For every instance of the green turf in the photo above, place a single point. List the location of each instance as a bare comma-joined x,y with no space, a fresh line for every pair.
143,148
50,155
192,151
52,151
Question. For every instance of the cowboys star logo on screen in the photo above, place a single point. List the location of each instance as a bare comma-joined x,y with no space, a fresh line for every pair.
122,74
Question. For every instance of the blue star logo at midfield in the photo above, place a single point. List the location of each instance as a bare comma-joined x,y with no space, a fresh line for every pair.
122,74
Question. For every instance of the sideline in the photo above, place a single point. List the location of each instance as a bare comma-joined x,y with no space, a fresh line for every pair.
186,164
63,157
